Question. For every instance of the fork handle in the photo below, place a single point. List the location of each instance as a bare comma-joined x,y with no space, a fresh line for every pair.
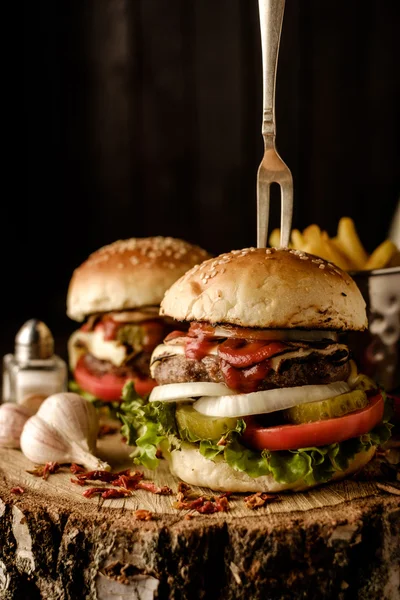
271,17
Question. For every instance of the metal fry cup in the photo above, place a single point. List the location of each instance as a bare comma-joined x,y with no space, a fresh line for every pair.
377,350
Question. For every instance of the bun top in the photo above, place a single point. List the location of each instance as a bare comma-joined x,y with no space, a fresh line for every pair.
268,288
129,274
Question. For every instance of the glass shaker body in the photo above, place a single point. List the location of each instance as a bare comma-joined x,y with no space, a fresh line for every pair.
30,382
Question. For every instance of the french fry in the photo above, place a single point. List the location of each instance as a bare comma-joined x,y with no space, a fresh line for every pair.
275,238
317,247
345,250
314,243
338,257
312,235
381,256
298,240
336,243
350,244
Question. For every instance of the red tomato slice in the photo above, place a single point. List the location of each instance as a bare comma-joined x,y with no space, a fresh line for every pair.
244,354
320,433
108,387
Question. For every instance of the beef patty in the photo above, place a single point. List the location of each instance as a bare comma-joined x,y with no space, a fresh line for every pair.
135,367
313,370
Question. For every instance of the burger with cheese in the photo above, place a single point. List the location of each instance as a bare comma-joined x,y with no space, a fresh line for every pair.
117,292
260,394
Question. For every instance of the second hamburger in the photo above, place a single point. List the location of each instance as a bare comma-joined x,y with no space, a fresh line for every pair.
117,292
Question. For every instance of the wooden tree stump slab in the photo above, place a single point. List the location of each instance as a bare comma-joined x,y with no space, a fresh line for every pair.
336,542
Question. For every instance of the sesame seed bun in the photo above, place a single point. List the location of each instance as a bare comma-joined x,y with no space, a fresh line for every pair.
268,288
129,274
193,468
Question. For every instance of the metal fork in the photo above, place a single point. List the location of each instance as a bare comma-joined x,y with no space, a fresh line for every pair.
272,168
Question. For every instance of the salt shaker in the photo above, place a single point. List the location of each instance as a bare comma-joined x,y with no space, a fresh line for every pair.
33,372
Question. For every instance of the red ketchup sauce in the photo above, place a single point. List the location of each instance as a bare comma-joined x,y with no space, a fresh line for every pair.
109,328
245,380
244,364
198,348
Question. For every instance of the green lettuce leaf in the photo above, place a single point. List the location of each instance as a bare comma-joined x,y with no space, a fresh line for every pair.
152,425
148,425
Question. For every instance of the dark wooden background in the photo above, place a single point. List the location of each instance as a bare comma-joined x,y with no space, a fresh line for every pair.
143,117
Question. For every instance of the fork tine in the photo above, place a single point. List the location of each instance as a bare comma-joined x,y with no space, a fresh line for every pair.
286,209
262,213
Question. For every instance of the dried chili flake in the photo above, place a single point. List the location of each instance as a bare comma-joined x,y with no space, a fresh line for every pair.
105,476
115,493
45,470
208,508
94,491
77,481
222,503
143,515
259,499
185,492
151,487
203,504
107,430
17,490
74,468
129,481
184,488
50,468
99,475
158,453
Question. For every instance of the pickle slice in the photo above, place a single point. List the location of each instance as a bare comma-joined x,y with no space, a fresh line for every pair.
198,426
327,409
364,383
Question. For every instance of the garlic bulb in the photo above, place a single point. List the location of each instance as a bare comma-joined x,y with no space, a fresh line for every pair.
64,430
74,416
41,442
12,421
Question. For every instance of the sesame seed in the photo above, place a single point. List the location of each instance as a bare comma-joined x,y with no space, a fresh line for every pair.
321,267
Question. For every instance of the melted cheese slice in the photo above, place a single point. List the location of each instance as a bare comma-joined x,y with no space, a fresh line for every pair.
275,361
110,350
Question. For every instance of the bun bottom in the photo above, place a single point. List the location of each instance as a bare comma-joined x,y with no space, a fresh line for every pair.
191,467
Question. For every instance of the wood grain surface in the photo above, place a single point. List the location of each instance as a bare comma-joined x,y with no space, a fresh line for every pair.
336,541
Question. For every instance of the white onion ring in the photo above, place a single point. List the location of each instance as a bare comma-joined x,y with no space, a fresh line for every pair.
267,401
178,392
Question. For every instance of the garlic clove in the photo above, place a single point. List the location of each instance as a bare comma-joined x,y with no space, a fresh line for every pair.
32,402
74,416
41,442
12,421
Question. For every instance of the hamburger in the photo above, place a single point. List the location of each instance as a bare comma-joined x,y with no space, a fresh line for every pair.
260,393
116,293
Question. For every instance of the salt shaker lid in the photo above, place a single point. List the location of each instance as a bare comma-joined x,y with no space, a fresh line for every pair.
34,341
